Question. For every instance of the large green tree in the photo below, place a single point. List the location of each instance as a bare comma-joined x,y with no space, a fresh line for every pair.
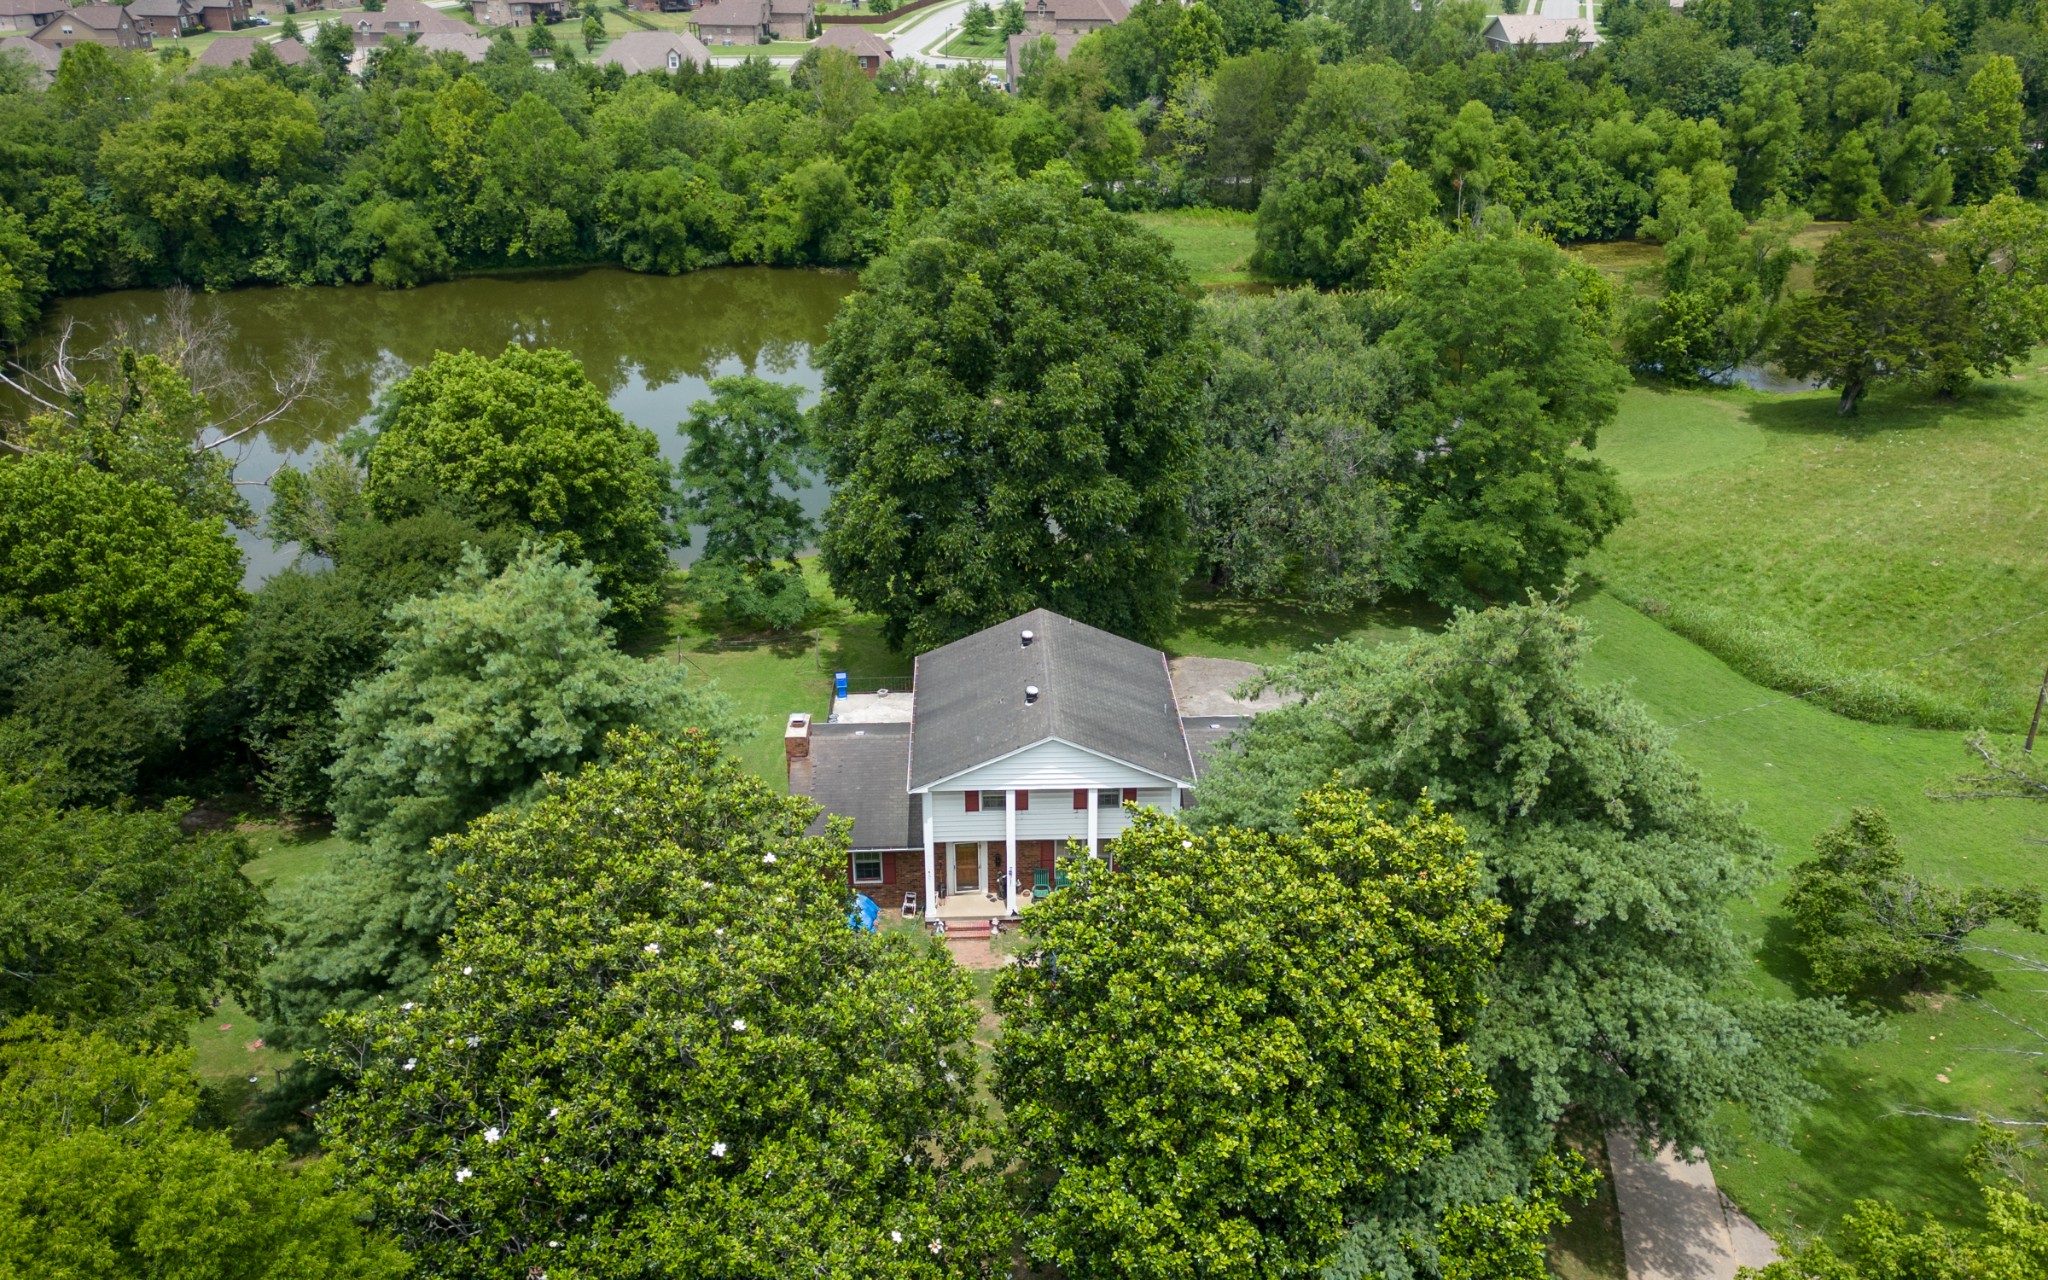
486,689
653,1046
103,1173
1513,375
1887,304
117,919
1008,421
1863,919
1294,498
738,479
122,564
1613,993
70,713
312,633
526,440
1210,1052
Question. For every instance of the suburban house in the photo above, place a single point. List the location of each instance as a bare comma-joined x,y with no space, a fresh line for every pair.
662,6
754,21
469,44
1015,53
107,24
1070,17
235,50
29,15
639,51
517,13
404,19
1015,748
867,48
163,19
42,61
1510,29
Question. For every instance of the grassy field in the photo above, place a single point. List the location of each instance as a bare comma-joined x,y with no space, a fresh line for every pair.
1799,769
1887,562
1215,244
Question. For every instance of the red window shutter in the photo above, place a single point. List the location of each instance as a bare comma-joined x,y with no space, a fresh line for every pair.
1130,795
1048,853
849,868
1080,797
1023,801
974,802
889,868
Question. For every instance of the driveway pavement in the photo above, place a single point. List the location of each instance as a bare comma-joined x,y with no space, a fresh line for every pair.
1675,1223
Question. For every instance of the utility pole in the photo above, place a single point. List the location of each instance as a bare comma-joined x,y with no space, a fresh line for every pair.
2039,700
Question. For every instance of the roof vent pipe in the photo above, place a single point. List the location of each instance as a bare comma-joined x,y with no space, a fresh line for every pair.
1028,638
1030,694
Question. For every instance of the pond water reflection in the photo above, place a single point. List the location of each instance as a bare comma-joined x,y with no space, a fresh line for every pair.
651,343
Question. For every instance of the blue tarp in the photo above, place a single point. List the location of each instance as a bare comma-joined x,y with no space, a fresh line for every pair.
864,914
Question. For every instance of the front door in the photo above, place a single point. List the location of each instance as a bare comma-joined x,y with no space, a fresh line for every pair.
967,868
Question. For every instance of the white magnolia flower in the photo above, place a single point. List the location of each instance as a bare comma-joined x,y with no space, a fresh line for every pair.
718,1150
544,1160
554,1244
553,1112
473,1041
407,1006
1187,844
739,1024
767,857
935,1246
652,948
897,1236
705,883
492,1135
467,970
617,809
718,933
410,1063
463,1175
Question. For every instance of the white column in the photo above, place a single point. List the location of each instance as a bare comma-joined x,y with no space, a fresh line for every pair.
1010,852
931,874
1092,811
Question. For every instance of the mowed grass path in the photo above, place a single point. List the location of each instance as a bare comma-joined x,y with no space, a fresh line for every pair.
1863,557
1214,244
1799,769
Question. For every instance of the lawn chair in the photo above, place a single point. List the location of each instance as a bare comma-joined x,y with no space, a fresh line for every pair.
1059,876
1041,885
909,905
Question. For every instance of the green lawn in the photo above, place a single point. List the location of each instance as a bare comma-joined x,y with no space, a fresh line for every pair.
992,45
1215,244
1799,769
1866,558
226,1040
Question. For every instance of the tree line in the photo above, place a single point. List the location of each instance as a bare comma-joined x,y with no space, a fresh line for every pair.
1354,130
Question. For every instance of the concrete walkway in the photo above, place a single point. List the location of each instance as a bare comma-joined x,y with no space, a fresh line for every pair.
1675,1223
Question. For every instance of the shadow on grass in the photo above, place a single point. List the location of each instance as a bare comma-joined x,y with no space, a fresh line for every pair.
1782,959
1891,409
1225,626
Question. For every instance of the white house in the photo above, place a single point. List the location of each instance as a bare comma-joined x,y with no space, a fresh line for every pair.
1018,747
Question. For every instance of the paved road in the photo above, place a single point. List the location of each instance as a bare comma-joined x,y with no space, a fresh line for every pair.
1675,1223
929,29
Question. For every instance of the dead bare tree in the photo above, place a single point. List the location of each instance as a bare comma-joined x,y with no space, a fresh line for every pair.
195,340
2001,778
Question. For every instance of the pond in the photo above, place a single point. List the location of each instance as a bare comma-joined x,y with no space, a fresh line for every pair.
651,343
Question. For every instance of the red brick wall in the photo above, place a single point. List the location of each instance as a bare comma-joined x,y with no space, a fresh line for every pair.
902,873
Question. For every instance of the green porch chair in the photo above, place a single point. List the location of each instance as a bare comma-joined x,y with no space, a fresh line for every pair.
1041,885
1059,874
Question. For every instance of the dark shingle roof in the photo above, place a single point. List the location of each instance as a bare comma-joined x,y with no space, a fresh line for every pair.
1206,735
856,770
1098,691
858,41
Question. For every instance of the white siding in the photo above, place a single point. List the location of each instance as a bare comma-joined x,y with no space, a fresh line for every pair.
1049,766
1052,816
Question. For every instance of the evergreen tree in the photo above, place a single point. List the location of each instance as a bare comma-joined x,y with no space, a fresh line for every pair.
745,444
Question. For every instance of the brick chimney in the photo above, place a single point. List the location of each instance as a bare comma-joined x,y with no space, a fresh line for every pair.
796,740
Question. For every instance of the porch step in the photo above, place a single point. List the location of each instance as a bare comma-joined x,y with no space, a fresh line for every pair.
969,928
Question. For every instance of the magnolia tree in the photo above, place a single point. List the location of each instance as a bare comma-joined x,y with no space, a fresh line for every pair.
1214,1050
652,1046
